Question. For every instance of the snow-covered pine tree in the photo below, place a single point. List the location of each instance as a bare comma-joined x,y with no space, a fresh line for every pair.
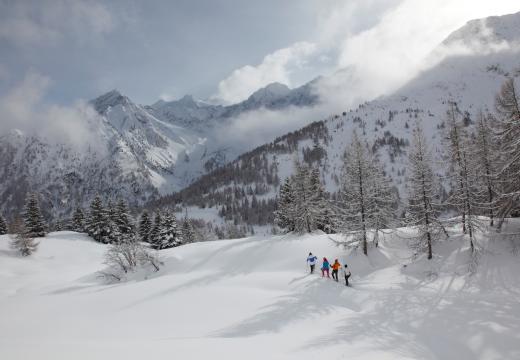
145,227
99,225
320,203
285,212
304,209
188,233
123,220
423,209
3,225
363,189
20,240
483,151
169,236
111,211
78,220
506,131
155,239
33,218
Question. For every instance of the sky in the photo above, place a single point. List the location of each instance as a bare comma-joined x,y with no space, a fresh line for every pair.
61,53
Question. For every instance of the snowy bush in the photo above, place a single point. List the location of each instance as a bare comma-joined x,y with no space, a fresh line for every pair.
125,257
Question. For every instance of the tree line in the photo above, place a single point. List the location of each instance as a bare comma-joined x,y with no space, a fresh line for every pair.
482,172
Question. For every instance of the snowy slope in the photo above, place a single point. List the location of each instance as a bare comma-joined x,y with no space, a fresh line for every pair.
252,298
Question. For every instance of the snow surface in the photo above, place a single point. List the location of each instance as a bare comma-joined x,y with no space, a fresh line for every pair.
253,299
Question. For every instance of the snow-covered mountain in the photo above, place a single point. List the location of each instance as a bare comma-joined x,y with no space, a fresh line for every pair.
468,68
140,151
148,151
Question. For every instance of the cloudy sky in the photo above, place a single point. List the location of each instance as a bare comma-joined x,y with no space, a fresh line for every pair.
59,51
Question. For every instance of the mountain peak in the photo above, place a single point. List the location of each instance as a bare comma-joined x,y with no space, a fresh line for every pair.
110,99
271,91
486,31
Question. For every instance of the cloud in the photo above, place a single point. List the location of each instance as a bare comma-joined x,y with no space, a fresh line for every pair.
275,67
371,47
48,22
254,128
23,108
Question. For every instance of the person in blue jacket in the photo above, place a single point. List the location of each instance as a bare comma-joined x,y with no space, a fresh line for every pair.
311,260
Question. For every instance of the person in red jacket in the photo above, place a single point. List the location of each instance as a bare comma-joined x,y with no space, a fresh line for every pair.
335,268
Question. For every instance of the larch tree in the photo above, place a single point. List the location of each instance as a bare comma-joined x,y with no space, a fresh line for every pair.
506,131
466,194
455,138
423,209
33,219
366,197
485,164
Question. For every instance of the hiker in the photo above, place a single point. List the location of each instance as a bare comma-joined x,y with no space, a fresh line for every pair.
335,268
325,268
346,272
311,260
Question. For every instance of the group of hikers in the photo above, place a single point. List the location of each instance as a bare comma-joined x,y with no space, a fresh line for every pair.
325,266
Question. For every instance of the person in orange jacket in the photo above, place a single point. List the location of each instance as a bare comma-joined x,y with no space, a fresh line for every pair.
335,268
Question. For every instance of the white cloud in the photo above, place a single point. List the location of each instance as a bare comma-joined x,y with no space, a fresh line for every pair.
275,67
24,108
48,22
375,45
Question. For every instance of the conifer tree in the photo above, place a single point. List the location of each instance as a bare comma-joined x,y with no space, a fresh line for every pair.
3,225
188,234
320,204
145,227
99,225
423,209
506,131
304,209
33,219
285,213
123,219
78,220
21,241
169,236
154,238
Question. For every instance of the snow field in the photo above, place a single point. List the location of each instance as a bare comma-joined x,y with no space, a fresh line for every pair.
254,298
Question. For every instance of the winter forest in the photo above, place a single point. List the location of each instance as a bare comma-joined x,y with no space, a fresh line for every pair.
267,180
